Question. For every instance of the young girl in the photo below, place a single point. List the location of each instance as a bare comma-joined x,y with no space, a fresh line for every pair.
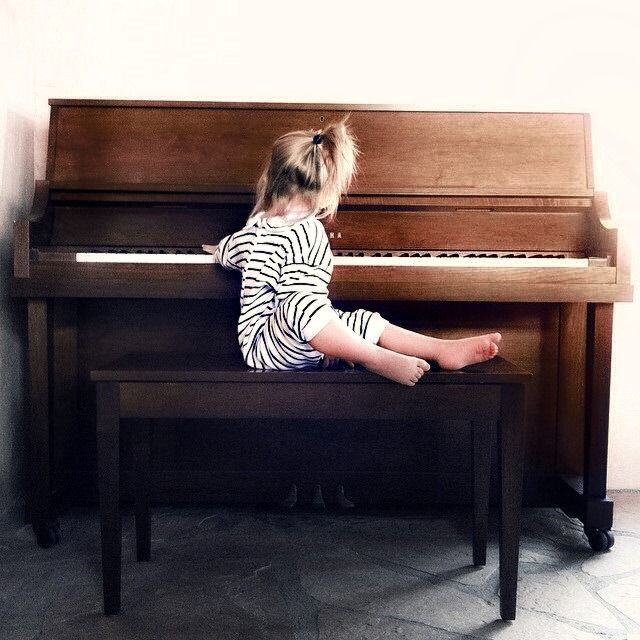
286,318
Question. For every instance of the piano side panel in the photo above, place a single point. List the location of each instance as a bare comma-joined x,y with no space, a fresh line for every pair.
402,151
21,248
384,463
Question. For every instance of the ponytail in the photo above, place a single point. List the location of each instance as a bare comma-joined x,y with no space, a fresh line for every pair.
316,166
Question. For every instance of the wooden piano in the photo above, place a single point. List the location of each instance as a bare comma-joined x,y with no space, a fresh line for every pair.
458,223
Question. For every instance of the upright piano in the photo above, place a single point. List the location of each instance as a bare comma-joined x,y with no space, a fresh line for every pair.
458,223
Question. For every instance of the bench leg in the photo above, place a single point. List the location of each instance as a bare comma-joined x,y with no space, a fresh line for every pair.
142,458
108,441
510,451
483,434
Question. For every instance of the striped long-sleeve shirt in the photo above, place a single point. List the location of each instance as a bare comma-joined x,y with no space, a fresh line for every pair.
277,262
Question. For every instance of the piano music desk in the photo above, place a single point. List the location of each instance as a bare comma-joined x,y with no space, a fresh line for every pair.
146,388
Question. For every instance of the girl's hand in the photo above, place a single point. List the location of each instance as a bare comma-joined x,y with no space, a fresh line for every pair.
334,363
209,248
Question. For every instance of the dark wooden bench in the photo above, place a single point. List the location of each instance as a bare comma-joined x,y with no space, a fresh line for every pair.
147,387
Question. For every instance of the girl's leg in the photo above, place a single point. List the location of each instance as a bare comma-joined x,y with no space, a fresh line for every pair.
336,340
449,354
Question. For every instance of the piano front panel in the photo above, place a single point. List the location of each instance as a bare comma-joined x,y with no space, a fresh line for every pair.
159,225
462,229
190,462
189,226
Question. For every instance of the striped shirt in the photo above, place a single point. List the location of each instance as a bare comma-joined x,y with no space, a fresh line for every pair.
278,264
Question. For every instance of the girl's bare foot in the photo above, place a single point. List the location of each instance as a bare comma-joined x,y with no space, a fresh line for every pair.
398,367
455,354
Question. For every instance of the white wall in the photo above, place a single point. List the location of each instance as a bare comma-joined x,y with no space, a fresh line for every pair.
16,188
495,55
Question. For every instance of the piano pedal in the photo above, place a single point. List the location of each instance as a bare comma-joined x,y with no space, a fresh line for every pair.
344,504
318,501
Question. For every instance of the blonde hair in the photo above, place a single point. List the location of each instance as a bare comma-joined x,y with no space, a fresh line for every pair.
315,166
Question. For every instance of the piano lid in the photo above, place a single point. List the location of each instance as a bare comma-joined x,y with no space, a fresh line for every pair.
221,147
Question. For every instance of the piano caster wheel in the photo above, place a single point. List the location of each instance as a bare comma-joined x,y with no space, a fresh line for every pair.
48,533
600,539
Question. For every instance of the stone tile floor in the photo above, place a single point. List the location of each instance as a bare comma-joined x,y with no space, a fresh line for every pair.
224,573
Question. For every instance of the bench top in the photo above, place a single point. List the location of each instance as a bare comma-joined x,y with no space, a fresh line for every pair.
147,367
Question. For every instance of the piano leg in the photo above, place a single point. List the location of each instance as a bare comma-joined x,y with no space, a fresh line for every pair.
598,510
64,395
583,417
47,530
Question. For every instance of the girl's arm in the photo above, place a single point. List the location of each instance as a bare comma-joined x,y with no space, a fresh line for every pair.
221,253
210,248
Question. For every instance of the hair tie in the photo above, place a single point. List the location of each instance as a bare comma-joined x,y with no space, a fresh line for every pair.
318,138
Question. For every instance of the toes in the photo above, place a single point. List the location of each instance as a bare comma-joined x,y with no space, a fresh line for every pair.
417,375
424,365
496,337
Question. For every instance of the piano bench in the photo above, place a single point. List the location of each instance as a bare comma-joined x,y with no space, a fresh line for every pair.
145,388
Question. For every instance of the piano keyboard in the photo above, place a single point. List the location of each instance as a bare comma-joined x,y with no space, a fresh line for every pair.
354,258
